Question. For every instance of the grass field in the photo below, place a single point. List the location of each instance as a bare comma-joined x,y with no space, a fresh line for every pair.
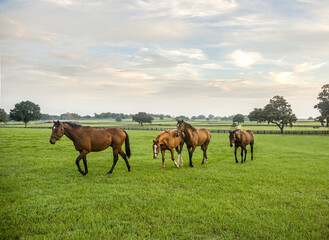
282,194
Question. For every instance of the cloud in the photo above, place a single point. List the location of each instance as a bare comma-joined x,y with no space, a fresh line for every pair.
306,67
245,59
186,8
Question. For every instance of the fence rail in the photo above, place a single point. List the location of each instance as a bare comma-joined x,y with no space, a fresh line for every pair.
210,130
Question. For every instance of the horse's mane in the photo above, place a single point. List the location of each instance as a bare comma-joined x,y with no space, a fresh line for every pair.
73,125
190,126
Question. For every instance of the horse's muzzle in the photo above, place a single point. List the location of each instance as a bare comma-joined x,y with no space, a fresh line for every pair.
155,156
52,141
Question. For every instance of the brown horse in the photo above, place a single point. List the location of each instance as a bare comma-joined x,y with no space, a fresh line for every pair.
88,139
241,139
167,140
194,138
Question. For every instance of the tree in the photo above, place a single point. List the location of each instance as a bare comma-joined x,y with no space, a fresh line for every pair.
279,112
239,118
257,115
323,105
118,119
25,111
142,117
3,116
201,117
210,117
182,117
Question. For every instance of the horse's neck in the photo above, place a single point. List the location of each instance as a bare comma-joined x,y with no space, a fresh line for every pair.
70,132
188,134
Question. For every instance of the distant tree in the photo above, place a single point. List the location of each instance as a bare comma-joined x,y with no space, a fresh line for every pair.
310,119
3,116
193,118
201,117
279,112
210,116
257,115
70,116
142,117
182,117
239,118
25,111
323,105
118,119
161,117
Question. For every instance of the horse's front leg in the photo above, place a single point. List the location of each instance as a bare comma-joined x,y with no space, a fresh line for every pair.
235,149
163,154
173,157
241,155
179,150
190,155
252,151
245,154
82,155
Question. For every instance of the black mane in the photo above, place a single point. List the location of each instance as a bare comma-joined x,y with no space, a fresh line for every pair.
73,125
190,126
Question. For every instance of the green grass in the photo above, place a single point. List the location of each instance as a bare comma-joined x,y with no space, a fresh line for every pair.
282,194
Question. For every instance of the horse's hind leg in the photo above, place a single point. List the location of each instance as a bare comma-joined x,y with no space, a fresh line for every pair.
124,156
191,151
245,153
252,150
204,149
241,155
85,164
115,160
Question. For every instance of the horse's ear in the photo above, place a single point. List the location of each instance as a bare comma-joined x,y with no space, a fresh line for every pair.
153,141
230,131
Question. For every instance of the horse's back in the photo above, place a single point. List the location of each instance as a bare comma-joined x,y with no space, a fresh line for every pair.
249,136
203,136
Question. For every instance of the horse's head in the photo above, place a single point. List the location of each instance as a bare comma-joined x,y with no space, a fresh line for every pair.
57,132
155,148
232,138
181,127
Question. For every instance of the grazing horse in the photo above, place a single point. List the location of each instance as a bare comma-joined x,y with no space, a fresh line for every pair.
167,140
241,139
88,139
193,138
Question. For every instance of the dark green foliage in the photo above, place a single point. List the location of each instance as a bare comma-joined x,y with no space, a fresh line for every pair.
239,118
142,117
3,116
323,105
25,111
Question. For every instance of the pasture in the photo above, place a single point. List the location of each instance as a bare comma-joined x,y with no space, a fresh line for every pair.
282,194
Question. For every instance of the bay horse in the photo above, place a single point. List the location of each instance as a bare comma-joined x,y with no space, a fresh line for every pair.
167,140
241,139
88,139
193,138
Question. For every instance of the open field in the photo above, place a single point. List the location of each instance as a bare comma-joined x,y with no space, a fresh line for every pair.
282,194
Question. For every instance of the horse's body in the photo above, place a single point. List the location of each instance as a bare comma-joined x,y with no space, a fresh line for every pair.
193,138
88,139
241,139
167,140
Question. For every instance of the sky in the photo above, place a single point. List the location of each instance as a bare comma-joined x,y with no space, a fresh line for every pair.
187,57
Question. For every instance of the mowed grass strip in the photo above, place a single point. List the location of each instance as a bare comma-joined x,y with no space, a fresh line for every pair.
283,193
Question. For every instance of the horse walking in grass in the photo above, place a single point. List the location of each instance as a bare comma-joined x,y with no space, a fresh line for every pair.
241,139
193,138
88,139
167,140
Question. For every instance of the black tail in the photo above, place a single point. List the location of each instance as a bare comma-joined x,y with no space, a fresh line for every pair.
127,145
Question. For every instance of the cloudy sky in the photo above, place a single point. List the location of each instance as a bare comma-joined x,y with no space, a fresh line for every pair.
187,57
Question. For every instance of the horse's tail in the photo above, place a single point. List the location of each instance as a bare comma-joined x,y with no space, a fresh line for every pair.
127,145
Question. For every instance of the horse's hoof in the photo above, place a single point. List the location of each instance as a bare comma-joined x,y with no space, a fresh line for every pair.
109,172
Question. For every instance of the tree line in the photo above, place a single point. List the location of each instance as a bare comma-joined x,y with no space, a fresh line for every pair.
278,111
